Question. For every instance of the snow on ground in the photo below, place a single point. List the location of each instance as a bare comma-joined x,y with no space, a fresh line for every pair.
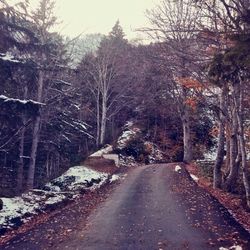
107,149
114,178
156,155
177,168
231,248
15,207
77,178
129,124
124,138
210,155
194,177
20,209
55,200
127,161
128,133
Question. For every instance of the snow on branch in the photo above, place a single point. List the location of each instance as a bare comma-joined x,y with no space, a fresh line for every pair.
6,99
9,58
80,127
63,82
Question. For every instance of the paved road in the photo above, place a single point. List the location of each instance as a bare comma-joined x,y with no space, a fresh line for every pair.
159,208
155,207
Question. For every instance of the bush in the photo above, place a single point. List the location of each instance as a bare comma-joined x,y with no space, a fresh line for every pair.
206,168
136,148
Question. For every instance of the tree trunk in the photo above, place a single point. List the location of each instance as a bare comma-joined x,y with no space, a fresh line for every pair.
104,118
98,119
234,165
227,152
187,138
21,150
235,156
36,134
21,162
238,100
35,140
217,174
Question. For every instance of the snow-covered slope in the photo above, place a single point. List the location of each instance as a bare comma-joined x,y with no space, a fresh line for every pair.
20,209
150,152
77,178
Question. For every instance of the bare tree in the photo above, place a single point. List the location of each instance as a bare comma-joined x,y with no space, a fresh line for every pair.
174,25
104,73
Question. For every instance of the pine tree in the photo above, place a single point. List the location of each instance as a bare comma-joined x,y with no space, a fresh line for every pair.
117,32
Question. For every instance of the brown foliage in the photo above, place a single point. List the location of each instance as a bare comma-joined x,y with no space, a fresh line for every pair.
190,83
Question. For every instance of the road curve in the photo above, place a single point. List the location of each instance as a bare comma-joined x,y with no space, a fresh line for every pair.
156,207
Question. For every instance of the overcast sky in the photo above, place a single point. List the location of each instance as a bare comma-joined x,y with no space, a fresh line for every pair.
99,16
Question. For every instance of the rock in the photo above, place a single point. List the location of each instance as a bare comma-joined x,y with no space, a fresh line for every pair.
1,204
56,205
88,184
17,222
96,181
3,230
64,182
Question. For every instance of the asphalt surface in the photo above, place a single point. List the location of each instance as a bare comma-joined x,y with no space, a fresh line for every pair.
155,207
159,208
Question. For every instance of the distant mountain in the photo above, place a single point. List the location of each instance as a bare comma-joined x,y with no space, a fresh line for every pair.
79,47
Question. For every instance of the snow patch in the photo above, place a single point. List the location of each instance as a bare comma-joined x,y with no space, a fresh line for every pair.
155,155
130,130
127,161
194,177
235,247
54,200
8,57
107,149
129,124
13,208
210,155
152,153
114,178
77,178
177,168
77,106
124,138
18,210
8,99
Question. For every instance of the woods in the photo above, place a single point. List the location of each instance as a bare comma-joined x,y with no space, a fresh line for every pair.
187,90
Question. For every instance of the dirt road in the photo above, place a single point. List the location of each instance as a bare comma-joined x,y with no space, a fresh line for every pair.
155,207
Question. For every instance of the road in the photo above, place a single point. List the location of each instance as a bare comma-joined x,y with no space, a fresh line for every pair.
159,208
155,207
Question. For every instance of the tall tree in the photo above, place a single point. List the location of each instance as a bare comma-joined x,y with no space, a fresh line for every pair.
173,24
228,69
105,74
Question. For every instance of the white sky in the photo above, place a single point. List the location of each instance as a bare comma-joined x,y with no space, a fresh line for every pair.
99,16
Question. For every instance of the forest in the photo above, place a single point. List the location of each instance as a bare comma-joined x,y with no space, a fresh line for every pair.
187,89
